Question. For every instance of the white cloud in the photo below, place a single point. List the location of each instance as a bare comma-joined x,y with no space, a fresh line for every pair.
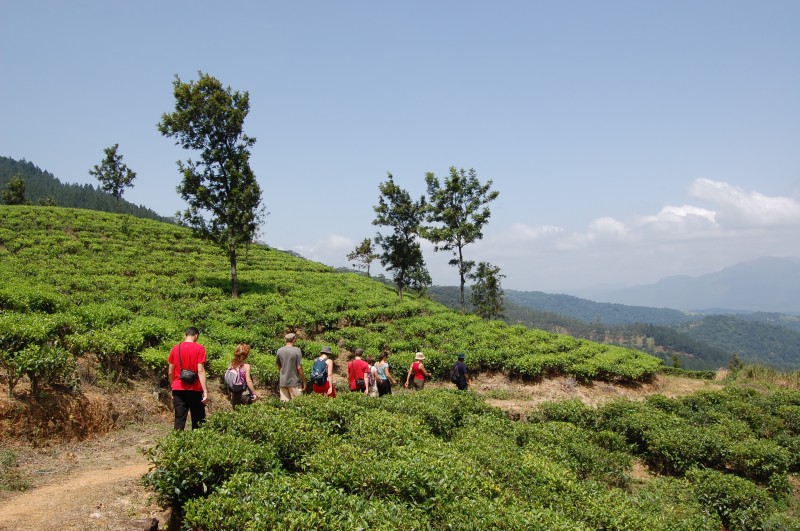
736,207
726,226
521,231
331,250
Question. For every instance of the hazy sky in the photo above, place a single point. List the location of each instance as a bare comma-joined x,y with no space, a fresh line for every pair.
629,140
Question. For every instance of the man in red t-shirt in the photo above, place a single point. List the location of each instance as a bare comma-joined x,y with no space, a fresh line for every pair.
356,370
188,397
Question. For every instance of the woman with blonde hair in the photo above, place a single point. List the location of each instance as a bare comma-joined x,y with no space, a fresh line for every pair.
243,377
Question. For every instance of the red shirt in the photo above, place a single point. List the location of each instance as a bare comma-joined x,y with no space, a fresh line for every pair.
192,354
418,374
356,370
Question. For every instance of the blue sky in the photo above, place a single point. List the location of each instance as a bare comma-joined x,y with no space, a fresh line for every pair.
629,140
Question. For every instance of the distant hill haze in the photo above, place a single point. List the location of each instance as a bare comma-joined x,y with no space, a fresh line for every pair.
763,285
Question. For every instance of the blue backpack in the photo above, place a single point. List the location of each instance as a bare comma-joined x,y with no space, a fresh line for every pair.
319,372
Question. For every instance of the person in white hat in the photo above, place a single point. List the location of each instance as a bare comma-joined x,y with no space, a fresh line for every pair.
418,370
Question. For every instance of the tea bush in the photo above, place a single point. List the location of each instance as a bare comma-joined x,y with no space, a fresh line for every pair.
192,464
278,501
737,502
757,459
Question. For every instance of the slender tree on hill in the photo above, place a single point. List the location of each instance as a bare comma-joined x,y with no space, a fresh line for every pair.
487,294
113,174
223,194
14,193
363,255
401,252
457,207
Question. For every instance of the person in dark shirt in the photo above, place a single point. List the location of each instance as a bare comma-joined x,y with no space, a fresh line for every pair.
463,374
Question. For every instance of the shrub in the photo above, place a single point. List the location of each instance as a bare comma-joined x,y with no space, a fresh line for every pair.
738,503
758,459
10,476
572,410
576,449
278,501
190,464
48,365
674,449
288,431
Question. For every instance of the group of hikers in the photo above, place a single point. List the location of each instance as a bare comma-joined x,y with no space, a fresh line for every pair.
187,361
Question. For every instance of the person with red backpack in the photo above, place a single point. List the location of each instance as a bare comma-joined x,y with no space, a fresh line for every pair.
322,373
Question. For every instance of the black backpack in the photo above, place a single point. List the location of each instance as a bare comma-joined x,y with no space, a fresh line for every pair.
454,375
319,372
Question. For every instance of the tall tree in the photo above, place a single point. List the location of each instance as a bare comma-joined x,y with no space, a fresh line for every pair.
363,255
220,186
401,252
14,193
487,294
113,174
458,207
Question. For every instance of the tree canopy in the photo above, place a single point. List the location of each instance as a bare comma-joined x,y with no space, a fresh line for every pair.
14,193
487,294
363,255
401,253
221,189
458,209
113,174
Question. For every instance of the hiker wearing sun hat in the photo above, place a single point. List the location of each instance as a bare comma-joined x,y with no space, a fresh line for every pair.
418,370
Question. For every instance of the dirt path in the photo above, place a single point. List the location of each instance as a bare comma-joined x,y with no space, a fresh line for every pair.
89,485
95,499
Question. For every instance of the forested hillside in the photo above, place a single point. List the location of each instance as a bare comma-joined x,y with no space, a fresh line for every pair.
752,341
704,342
589,311
41,185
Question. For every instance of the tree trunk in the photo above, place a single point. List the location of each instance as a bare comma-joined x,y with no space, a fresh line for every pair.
234,277
461,277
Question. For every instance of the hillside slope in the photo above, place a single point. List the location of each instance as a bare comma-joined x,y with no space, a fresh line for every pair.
122,289
119,290
700,341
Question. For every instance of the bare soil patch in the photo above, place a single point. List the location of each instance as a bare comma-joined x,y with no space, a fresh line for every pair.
517,398
92,484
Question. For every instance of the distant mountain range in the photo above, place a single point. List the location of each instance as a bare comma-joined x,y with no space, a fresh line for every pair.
695,340
763,285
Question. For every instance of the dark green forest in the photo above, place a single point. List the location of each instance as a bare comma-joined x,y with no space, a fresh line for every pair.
43,186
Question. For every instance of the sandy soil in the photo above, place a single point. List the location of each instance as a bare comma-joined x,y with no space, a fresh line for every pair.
86,485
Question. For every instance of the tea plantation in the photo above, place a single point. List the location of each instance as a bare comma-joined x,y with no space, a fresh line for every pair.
78,285
76,282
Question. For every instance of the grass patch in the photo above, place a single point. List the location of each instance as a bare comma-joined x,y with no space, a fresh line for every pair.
11,478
